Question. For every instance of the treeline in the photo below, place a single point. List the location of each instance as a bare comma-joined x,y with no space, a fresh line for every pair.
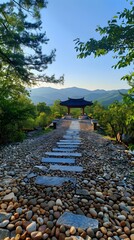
116,120
19,115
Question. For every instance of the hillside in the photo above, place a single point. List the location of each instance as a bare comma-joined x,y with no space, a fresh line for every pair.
49,95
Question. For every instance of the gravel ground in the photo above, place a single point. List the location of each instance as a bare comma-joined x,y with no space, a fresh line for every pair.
30,211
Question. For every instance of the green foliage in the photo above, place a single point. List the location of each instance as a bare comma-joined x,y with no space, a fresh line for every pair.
22,62
117,36
57,110
117,118
12,114
22,41
41,120
42,107
75,112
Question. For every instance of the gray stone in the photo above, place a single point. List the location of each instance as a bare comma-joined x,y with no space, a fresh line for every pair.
60,154
4,233
4,223
42,168
31,175
64,149
72,137
31,227
84,192
69,143
58,160
53,181
66,168
5,216
79,221
9,197
72,132
67,146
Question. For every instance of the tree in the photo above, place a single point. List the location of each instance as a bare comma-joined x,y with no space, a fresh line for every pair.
13,113
21,41
22,62
42,107
117,36
57,110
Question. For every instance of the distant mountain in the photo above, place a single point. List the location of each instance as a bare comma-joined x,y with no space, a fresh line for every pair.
49,95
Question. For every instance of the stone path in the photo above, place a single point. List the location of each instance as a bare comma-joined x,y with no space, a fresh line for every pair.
72,134
44,198
67,219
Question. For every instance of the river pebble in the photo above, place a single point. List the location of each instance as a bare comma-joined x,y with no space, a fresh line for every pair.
29,211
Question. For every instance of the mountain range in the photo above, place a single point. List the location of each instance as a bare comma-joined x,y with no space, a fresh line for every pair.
49,95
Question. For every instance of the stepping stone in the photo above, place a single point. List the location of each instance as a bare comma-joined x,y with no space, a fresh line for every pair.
64,149
31,175
83,192
69,140
71,137
69,143
72,133
67,146
60,154
66,168
58,160
43,168
79,221
53,181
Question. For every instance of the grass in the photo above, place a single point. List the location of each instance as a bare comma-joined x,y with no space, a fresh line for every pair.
110,138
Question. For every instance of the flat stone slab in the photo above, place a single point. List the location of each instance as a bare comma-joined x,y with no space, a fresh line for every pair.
53,181
64,149
66,168
69,143
70,140
72,137
60,154
67,146
83,192
31,175
79,221
58,160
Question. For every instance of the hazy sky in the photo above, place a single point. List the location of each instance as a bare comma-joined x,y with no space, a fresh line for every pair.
66,20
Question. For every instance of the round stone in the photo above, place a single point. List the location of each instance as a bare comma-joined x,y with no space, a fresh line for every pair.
72,230
40,220
19,230
45,236
29,214
36,235
51,203
50,224
121,217
59,202
93,212
31,227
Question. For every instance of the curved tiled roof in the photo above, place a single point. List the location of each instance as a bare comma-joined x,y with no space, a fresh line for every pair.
76,102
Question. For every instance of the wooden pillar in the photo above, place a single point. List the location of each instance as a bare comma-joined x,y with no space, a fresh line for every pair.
83,111
68,110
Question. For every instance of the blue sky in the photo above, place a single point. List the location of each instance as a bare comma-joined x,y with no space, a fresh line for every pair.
66,20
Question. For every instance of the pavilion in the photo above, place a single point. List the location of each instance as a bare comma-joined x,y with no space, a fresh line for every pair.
76,103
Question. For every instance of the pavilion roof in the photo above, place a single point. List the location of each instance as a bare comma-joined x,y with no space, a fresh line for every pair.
76,102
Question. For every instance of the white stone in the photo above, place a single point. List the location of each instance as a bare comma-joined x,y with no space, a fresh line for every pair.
58,202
